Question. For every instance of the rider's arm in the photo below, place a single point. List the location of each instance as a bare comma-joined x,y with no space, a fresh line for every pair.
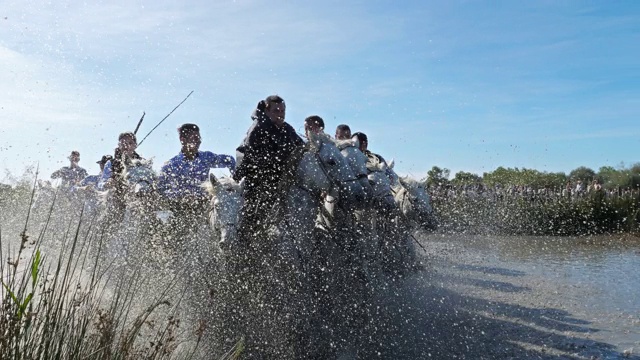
89,180
56,174
251,147
83,173
104,177
220,161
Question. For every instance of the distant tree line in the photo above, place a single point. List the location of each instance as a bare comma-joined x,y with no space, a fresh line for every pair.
608,177
513,201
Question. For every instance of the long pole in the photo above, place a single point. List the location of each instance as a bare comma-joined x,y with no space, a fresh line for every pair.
139,123
165,118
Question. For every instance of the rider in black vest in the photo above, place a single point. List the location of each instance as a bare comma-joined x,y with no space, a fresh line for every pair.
261,159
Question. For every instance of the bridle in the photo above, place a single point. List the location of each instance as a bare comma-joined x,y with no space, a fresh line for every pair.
334,183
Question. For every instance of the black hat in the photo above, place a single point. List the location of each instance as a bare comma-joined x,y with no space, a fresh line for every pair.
104,159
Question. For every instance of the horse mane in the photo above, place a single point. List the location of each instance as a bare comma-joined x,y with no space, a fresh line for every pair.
409,183
321,137
228,183
343,144
374,164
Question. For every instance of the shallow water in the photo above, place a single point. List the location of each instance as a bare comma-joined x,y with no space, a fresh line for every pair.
491,297
595,279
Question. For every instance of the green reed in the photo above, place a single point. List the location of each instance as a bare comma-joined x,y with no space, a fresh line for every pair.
71,306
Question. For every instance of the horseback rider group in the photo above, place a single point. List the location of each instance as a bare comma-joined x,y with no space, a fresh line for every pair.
287,279
261,158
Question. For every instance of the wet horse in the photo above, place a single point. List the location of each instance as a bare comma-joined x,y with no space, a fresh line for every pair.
285,274
226,199
322,169
136,220
414,203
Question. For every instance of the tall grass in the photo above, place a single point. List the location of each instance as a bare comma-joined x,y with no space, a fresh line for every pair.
72,306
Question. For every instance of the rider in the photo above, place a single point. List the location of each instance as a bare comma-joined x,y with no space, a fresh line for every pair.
181,177
124,155
262,156
343,132
364,147
94,180
373,157
71,175
313,123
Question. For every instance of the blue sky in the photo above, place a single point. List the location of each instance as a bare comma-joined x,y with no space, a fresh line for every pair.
466,85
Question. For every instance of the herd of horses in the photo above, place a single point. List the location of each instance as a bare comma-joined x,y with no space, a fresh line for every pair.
341,225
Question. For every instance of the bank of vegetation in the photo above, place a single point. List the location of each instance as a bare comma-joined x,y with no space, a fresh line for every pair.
512,201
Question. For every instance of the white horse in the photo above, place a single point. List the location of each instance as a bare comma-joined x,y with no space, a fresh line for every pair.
346,252
414,203
357,161
393,247
322,169
334,209
366,221
283,263
140,178
380,180
226,200
141,203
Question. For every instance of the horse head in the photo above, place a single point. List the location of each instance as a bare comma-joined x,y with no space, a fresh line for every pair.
415,203
226,199
140,176
331,165
357,161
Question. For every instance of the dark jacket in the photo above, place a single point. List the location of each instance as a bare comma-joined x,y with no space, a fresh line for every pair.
120,162
264,151
118,165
